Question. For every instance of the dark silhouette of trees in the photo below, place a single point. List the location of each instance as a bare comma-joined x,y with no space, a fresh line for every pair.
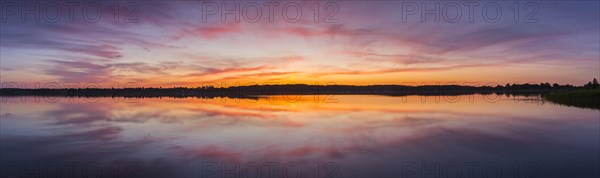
588,85
302,89
592,84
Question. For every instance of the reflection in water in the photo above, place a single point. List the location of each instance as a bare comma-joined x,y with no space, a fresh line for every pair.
345,136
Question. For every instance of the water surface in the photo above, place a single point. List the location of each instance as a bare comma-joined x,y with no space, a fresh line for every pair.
298,136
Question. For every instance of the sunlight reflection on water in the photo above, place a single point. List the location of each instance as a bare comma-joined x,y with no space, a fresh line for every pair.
363,135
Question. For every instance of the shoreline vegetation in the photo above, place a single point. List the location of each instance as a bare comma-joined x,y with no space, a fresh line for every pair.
253,91
586,96
583,98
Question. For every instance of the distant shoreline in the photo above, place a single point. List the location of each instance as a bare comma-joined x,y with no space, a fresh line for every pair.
296,89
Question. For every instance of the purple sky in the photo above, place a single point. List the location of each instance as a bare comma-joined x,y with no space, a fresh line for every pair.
185,43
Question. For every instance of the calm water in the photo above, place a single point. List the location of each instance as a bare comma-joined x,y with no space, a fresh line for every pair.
346,136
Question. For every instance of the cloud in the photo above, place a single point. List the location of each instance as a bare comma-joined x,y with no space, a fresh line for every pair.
209,32
405,59
369,35
213,152
325,30
99,71
399,70
224,71
77,71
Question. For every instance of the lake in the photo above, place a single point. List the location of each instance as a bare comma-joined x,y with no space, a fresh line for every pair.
298,136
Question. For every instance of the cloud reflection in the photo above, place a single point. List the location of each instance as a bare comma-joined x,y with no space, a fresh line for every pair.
163,133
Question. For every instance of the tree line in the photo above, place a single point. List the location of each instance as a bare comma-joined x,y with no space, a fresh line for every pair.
301,89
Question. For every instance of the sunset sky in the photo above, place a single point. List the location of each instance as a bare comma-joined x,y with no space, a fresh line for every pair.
171,45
